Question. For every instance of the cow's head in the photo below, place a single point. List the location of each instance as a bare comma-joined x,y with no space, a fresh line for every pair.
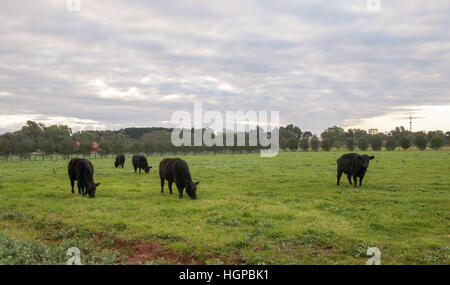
116,164
92,189
147,169
191,189
365,160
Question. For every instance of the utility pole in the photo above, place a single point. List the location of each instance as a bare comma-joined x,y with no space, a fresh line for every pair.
410,123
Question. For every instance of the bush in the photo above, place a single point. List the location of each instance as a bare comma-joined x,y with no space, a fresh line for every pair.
16,252
405,143
5,147
377,142
292,144
304,144
363,144
436,142
350,144
420,140
315,143
391,143
326,144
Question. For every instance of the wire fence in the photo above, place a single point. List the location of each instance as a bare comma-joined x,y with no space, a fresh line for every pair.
58,157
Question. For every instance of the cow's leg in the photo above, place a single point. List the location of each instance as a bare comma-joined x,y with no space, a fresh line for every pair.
170,187
72,182
135,170
180,190
139,170
349,176
162,185
79,187
355,180
360,180
339,174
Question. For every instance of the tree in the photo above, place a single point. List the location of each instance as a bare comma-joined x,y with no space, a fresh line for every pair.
57,133
304,144
420,140
390,143
405,143
5,147
33,130
292,144
326,144
363,144
66,147
377,142
307,135
46,146
294,129
350,142
104,148
25,147
315,143
335,134
337,144
436,142
399,132
148,147
85,148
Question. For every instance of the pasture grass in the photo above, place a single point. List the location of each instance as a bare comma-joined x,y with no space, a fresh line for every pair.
250,210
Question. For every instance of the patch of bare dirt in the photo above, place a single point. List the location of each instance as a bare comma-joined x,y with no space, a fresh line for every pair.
140,252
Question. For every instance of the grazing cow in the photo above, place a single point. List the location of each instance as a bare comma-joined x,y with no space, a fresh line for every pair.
140,161
82,171
353,164
120,160
176,170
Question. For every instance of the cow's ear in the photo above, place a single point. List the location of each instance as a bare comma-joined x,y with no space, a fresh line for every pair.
371,157
96,185
196,183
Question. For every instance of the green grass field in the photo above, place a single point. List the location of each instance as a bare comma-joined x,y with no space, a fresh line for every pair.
250,210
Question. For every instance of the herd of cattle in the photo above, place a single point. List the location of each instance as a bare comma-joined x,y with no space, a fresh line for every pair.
170,169
176,170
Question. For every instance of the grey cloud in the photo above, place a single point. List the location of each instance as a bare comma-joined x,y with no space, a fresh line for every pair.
319,63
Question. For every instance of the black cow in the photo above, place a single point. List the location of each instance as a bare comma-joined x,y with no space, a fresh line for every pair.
176,170
120,160
140,161
353,164
82,171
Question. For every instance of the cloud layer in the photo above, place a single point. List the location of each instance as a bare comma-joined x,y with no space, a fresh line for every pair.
133,63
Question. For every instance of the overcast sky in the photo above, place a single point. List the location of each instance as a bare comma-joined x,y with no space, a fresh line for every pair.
129,63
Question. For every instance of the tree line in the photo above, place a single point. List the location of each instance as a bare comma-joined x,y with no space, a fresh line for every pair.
36,138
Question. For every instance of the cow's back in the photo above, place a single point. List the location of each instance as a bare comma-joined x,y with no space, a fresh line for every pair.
120,158
85,171
166,168
81,170
71,167
139,161
174,169
345,161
